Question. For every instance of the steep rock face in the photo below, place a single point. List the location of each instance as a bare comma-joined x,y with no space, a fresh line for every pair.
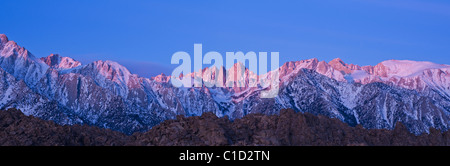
420,76
3,40
111,75
58,62
290,68
20,63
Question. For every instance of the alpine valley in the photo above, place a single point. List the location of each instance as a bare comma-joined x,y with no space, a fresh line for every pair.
107,95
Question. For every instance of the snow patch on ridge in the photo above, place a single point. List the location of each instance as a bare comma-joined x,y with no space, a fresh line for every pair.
407,68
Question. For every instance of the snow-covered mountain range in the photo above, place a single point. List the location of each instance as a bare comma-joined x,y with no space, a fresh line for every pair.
106,94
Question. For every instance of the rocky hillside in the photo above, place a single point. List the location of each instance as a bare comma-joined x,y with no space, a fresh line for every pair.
16,129
288,128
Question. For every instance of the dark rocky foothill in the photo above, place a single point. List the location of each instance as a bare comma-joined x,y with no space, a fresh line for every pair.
16,129
287,129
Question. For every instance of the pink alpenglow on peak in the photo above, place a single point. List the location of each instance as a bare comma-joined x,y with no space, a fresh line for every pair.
58,62
3,40
402,73
113,71
161,78
339,65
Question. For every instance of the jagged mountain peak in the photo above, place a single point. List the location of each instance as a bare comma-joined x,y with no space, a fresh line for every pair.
291,68
239,67
161,78
11,48
110,65
59,62
3,39
339,65
214,68
20,63
309,62
111,70
238,64
338,60
314,60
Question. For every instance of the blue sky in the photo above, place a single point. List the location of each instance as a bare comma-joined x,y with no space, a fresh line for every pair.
143,34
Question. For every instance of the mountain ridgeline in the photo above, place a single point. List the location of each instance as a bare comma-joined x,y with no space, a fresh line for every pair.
107,95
